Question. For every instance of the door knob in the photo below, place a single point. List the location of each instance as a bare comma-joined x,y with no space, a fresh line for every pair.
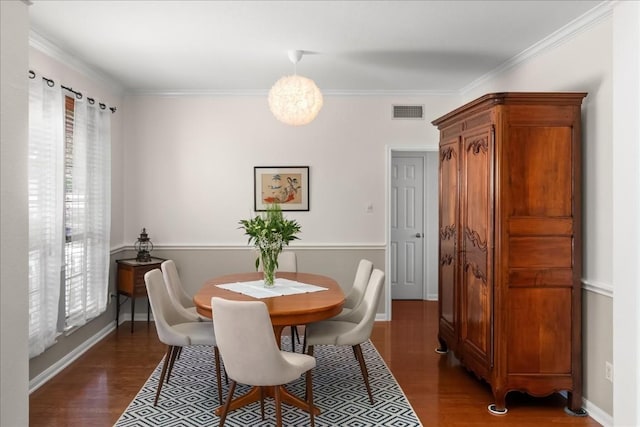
418,235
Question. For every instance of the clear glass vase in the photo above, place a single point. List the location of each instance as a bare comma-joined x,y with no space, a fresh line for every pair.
269,260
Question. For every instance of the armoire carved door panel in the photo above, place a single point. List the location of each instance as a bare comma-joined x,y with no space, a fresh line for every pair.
476,226
541,248
448,223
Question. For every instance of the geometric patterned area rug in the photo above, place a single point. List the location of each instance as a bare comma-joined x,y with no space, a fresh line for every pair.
190,398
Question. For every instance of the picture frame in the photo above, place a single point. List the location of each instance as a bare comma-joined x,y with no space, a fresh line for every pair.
287,186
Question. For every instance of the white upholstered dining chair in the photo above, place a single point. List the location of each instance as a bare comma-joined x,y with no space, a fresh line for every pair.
176,330
179,297
353,329
251,354
356,293
287,263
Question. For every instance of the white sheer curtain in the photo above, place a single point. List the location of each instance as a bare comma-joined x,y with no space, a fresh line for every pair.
45,212
88,216
69,212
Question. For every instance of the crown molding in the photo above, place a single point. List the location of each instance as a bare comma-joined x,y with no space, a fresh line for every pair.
564,34
264,93
39,42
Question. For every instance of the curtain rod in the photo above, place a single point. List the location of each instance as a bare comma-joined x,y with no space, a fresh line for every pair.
91,101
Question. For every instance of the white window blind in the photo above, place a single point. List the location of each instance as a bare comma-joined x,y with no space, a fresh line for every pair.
45,212
87,211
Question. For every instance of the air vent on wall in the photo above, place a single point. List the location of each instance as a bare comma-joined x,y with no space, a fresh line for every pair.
415,112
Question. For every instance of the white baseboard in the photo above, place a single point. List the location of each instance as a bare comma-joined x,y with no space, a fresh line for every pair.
594,412
382,317
598,414
138,317
54,369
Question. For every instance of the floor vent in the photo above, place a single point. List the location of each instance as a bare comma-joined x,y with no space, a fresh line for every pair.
408,112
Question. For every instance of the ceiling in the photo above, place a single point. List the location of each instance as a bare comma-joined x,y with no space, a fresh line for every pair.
351,46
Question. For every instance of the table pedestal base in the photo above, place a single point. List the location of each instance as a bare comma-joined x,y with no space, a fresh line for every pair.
253,395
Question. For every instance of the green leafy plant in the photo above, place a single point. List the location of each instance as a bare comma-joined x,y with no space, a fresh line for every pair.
269,232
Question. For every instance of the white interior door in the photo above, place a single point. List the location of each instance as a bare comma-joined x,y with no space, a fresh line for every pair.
407,227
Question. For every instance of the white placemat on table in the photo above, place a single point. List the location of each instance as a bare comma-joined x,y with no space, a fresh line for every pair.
256,288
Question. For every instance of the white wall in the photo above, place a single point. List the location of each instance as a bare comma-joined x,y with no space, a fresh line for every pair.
189,171
189,165
582,64
14,355
626,211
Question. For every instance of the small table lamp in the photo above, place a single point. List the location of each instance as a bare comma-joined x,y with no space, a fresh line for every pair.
144,247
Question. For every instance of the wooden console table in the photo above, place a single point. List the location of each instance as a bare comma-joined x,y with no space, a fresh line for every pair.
131,283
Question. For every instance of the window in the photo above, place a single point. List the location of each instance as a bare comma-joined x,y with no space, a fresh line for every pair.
69,213
86,213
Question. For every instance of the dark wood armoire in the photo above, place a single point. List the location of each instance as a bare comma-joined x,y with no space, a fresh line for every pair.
510,242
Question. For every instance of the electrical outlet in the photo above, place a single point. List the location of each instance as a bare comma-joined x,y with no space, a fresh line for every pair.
608,371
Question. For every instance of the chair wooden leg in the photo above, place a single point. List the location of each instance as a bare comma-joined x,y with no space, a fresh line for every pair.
310,353
355,354
172,360
276,395
227,403
163,373
309,394
216,357
363,368
262,402
294,335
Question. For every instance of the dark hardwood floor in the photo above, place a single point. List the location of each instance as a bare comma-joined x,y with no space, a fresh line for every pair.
98,387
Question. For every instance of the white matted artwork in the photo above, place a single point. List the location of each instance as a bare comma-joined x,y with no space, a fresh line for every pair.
288,186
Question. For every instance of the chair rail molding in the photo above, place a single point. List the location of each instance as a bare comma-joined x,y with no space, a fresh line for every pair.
597,287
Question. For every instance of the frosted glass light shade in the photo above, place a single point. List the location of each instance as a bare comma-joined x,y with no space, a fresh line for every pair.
295,100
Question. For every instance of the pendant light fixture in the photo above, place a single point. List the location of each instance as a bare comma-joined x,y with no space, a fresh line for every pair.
295,100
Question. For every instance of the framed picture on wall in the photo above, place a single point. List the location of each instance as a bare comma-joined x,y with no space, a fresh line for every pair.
287,186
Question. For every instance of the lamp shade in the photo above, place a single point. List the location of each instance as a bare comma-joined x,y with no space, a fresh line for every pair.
295,100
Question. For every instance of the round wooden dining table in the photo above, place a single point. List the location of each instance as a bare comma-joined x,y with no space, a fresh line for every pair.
286,310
